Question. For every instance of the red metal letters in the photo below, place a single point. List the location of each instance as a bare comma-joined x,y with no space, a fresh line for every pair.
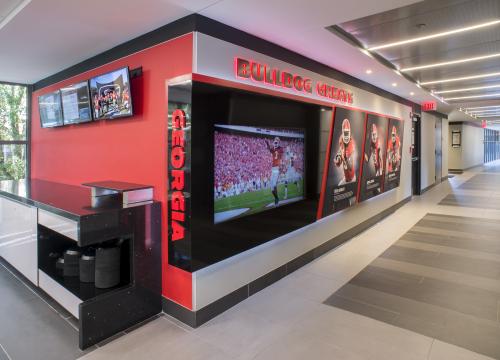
177,162
252,70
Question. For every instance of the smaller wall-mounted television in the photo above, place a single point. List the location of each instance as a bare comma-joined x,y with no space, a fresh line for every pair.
50,109
256,169
76,103
110,95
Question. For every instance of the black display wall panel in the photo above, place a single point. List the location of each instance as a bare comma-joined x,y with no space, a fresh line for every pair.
209,242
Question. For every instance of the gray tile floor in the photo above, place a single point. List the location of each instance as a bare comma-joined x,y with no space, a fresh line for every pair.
441,278
32,326
385,265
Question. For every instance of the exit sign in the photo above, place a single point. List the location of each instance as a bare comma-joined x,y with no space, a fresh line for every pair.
429,106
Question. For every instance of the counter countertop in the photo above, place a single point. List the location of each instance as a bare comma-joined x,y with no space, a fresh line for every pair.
69,201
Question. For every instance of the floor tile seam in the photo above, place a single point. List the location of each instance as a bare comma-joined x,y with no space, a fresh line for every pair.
446,273
378,307
2,348
450,233
430,350
481,229
31,290
443,309
457,219
38,297
449,250
486,226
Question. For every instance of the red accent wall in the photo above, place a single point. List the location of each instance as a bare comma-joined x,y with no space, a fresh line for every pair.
130,149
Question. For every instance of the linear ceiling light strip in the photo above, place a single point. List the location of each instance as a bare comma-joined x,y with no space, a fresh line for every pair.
436,35
483,107
472,77
453,62
468,89
483,111
473,96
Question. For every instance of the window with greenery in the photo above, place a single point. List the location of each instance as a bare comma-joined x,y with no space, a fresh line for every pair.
13,131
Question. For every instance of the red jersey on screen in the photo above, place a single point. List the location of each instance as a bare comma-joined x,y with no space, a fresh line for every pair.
394,155
375,151
347,159
277,154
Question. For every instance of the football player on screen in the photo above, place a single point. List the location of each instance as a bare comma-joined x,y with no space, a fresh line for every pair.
277,155
291,174
346,155
375,151
394,151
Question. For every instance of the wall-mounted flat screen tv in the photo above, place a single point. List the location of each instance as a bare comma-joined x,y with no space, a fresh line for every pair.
50,109
256,169
110,95
76,103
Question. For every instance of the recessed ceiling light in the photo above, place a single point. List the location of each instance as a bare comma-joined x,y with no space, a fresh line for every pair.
453,62
461,78
369,71
434,36
412,93
474,96
467,89
394,84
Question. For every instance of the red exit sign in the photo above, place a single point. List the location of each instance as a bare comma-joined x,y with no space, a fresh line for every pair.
429,105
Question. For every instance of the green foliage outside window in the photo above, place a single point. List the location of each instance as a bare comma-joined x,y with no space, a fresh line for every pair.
13,115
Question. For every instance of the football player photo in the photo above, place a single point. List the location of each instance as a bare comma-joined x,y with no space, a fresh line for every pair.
256,169
394,154
374,157
342,175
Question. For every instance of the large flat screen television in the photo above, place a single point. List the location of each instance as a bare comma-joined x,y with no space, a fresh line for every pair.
256,169
110,95
76,103
50,109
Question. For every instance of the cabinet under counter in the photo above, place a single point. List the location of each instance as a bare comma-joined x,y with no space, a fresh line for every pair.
63,218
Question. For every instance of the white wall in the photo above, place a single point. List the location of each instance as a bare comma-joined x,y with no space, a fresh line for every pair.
215,58
473,146
428,148
445,147
471,151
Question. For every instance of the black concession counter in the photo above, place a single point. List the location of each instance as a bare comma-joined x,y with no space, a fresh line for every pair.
78,220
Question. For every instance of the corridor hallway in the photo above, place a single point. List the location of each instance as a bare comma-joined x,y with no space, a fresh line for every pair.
421,284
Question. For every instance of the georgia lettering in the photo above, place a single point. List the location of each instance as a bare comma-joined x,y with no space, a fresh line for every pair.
177,183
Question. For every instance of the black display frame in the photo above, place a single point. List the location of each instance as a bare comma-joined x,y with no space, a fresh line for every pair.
58,95
206,243
90,119
131,114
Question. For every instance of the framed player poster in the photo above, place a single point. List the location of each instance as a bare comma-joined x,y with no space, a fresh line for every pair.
342,176
394,154
372,175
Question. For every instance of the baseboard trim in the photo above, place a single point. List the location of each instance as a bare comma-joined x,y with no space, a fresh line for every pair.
196,318
460,171
429,187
